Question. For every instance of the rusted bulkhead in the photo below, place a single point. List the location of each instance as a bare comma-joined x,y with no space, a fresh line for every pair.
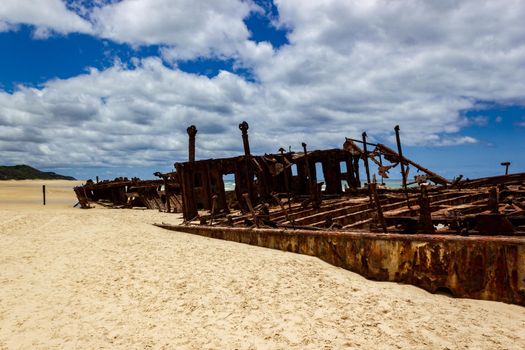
489,268
262,176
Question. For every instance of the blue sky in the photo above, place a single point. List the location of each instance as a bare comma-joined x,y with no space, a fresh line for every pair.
108,88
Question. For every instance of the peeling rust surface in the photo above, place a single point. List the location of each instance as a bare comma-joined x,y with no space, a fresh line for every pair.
489,268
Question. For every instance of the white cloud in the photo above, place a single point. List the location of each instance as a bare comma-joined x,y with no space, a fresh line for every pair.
457,140
185,29
375,64
350,66
480,120
45,15
191,28
121,117
4,27
139,117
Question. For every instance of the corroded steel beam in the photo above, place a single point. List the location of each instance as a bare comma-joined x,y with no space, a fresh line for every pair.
192,132
393,156
400,152
245,142
365,159
489,268
518,178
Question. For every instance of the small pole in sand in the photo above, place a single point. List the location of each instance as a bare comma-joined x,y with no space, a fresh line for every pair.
97,179
44,193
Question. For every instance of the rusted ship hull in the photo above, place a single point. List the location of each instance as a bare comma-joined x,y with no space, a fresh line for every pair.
488,268
466,237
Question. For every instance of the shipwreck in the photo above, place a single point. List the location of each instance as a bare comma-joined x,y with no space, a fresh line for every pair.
463,237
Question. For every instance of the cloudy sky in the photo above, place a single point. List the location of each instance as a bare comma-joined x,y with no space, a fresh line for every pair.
108,87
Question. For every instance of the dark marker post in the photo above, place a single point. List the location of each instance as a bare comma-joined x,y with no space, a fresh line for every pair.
365,158
44,193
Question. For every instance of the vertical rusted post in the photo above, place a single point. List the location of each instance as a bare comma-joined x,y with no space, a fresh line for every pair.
381,164
287,186
308,173
85,196
167,194
403,174
250,207
311,181
248,173
213,208
285,172
380,217
244,128
97,179
365,158
186,178
44,193
189,207
425,213
493,202
400,152
192,131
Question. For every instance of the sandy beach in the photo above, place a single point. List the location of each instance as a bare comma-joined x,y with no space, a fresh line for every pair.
103,278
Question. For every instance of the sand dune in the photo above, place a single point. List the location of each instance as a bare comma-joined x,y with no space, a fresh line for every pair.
101,278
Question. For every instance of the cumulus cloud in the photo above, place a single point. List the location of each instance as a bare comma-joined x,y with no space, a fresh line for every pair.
350,66
190,28
122,116
480,120
46,15
378,63
138,116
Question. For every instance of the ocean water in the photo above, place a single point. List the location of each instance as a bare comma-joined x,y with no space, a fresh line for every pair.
229,185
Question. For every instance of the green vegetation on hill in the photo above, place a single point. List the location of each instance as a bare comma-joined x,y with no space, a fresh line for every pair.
25,172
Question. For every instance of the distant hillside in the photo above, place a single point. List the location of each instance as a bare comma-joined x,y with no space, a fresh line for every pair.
25,172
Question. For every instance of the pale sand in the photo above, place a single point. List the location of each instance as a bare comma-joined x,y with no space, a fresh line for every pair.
101,278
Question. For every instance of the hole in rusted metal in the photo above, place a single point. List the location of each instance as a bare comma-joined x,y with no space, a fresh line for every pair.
294,169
